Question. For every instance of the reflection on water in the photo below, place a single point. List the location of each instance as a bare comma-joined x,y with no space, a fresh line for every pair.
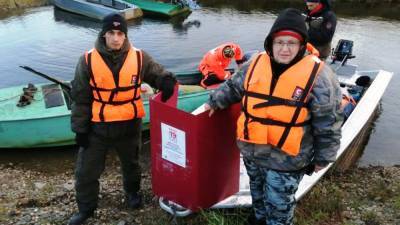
179,23
76,20
183,27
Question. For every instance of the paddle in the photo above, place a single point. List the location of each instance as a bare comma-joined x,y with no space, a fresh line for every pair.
52,79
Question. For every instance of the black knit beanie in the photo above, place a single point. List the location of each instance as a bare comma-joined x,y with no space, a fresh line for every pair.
288,19
114,21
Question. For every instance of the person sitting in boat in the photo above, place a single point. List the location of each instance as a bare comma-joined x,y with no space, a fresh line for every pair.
215,61
291,119
107,112
351,95
321,23
348,104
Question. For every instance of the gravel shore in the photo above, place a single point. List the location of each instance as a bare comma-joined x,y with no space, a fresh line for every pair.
44,194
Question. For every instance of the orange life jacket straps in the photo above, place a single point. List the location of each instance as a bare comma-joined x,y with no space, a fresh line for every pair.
271,100
113,91
89,65
307,89
246,98
116,97
138,82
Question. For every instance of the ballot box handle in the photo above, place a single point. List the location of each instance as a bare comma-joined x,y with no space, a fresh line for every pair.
173,208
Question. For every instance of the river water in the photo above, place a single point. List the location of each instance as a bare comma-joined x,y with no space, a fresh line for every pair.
51,41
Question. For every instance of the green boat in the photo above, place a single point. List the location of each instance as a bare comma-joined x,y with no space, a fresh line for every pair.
160,9
45,121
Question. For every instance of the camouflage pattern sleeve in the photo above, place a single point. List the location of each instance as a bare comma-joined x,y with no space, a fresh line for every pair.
229,92
326,117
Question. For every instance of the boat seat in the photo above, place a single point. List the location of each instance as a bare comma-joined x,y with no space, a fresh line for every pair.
53,95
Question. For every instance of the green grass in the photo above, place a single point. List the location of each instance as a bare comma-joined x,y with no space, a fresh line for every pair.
3,215
380,191
225,217
370,218
321,205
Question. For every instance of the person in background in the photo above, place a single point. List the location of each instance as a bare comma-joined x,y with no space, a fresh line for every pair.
107,112
215,61
321,23
291,119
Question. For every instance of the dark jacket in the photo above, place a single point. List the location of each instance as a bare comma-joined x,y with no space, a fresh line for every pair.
82,96
322,25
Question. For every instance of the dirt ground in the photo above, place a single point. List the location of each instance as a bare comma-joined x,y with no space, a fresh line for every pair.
37,188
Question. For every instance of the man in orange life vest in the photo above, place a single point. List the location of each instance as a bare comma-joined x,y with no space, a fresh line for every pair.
214,63
107,112
291,118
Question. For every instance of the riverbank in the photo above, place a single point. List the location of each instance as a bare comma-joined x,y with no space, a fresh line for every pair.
6,5
35,195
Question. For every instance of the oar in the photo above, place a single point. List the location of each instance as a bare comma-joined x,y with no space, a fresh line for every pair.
52,79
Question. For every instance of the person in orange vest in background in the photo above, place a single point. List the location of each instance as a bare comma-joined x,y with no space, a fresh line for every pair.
107,110
290,124
214,63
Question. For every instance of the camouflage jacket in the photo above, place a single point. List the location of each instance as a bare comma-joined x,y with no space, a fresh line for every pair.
321,138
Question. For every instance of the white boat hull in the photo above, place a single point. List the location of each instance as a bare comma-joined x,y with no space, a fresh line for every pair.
351,128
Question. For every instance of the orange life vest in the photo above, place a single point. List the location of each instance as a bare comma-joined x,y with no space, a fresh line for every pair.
347,100
215,62
277,118
115,101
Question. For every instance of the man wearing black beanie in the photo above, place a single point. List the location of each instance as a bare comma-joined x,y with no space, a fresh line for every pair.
107,112
290,123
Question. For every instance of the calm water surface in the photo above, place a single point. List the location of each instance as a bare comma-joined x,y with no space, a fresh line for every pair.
51,41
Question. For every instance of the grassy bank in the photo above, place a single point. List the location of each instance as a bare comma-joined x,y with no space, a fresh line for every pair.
6,5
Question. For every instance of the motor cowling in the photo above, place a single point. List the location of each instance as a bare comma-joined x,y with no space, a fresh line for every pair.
343,51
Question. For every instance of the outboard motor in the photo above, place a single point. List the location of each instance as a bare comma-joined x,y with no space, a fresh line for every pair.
343,51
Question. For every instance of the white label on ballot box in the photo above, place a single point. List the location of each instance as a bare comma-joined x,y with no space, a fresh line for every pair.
173,145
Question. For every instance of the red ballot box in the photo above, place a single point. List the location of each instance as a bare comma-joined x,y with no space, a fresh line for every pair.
195,160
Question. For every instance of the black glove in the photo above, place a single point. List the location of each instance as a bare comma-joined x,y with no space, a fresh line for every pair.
82,139
167,87
211,79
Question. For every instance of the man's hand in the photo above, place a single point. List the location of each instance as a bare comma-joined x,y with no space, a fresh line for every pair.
318,168
227,75
208,107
